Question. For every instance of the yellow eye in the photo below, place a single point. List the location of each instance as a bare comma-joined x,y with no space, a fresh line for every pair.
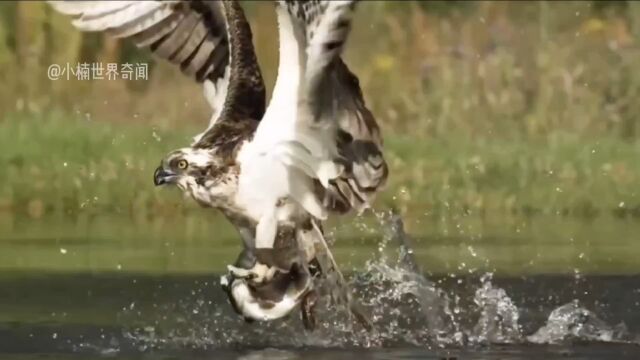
182,164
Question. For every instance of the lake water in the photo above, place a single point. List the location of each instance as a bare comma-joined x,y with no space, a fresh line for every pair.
526,289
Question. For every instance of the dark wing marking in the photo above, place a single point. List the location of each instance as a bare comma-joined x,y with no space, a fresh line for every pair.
247,95
245,100
324,28
359,144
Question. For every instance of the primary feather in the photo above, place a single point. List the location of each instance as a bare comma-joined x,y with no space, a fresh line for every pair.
189,34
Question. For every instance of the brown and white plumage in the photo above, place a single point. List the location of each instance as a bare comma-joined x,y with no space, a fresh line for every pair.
320,106
316,149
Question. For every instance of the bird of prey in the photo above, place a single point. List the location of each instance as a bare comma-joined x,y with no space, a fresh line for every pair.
314,150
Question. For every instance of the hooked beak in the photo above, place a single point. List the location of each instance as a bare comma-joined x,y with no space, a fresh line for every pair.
162,176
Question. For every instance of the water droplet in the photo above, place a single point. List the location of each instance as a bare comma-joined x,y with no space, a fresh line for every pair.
472,251
63,251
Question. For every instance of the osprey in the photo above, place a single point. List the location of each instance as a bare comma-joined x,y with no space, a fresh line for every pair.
314,150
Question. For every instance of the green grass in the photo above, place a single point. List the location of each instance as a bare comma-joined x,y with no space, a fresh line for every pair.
560,175
67,165
57,164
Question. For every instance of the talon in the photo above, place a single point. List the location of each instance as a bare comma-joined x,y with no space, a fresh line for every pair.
258,274
240,272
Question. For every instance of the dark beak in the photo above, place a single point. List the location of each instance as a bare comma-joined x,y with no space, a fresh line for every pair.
161,176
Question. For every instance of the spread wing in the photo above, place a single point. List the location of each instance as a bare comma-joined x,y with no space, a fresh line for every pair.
317,103
189,34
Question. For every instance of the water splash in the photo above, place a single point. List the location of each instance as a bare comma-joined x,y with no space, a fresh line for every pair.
498,322
406,308
573,322
402,299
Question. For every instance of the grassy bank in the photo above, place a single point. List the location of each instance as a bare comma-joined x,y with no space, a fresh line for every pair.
60,164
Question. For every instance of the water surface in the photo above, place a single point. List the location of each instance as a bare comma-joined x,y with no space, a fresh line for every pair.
474,289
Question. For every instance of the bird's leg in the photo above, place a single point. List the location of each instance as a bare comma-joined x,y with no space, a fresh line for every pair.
241,268
258,273
265,237
266,230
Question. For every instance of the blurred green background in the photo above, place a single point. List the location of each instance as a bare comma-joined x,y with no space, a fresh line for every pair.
511,129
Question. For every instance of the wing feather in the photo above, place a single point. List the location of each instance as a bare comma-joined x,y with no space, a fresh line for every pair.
88,7
143,23
177,38
321,105
327,26
201,54
100,21
191,44
147,36
190,34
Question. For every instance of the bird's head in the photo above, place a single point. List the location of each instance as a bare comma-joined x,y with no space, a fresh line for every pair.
187,168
